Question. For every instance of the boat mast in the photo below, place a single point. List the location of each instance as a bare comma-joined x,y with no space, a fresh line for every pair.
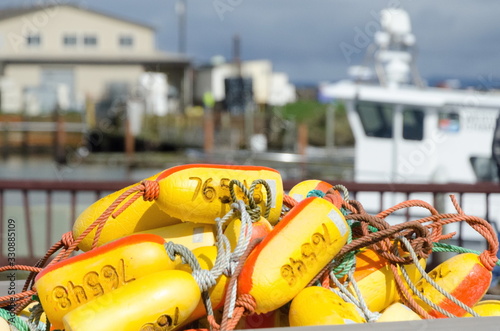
395,50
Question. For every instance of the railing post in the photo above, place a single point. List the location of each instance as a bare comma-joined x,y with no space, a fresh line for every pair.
27,222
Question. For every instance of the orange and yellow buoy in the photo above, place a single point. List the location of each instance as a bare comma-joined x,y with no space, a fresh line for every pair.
158,301
68,284
200,193
140,216
375,280
463,276
190,235
293,253
316,305
486,308
300,190
197,193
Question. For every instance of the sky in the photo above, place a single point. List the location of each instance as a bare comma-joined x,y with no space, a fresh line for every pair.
455,38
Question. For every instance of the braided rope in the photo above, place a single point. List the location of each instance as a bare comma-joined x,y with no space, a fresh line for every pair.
343,189
8,299
239,251
433,283
357,300
289,202
15,321
232,315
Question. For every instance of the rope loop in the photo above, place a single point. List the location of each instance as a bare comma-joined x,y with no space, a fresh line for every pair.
151,190
253,209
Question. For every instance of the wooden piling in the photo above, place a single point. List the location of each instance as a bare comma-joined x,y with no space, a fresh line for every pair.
302,138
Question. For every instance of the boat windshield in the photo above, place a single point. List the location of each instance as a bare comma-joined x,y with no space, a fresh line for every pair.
376,118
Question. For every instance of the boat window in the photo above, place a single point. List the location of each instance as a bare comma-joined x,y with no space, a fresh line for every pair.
485,169
449,121
413,124
376,119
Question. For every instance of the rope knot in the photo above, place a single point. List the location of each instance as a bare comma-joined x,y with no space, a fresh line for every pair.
67,240
204,278
488,259
247,302
151,190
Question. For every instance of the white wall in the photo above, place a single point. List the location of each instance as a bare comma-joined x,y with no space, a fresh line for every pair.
53,23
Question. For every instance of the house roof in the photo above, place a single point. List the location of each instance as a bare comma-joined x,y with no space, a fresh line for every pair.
10,12
158,58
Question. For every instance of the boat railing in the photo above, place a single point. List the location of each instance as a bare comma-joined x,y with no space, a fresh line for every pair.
39,212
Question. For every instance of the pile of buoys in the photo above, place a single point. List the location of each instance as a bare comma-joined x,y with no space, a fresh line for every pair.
225,247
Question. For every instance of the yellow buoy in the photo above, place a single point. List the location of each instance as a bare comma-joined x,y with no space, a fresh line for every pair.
486,308
299,191
463,276
200,193
299,246
398,312
65,285
375,279
260,229
316,305
158,301
139,216
190,235
206,256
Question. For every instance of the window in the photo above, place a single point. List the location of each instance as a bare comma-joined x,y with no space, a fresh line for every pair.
90,40
126,41
449,122
69,40
376,119
484,168
33,40
413,124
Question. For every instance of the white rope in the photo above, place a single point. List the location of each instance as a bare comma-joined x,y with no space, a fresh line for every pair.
432,282
358,301
239,250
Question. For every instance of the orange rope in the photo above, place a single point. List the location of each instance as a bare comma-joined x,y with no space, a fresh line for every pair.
289,201
20,267
334,197
405,295
148,189
7,300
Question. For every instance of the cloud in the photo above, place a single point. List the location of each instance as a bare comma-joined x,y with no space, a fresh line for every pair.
455,37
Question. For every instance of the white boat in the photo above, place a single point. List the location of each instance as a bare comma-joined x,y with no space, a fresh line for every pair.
406,132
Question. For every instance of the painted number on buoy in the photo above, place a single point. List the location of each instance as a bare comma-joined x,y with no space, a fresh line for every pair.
209,192
308,259
93,285
164,322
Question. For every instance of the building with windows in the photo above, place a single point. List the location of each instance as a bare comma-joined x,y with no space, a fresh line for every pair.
63,55
267,87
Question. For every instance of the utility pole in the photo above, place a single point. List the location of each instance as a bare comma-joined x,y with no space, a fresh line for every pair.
180,9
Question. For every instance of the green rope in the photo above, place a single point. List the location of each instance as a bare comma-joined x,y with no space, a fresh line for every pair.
348,262
14,320
448,248
315,193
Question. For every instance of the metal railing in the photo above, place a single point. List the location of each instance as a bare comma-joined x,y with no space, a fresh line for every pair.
33,226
